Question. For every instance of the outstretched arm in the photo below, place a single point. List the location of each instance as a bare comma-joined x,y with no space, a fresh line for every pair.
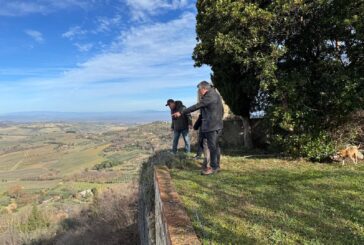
205,101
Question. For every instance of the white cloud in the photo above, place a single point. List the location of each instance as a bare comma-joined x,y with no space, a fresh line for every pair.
30,72
36,35
104,24
152,49
142,61
151,5
140,9
74,32
84,47
159,52
25,7
15,8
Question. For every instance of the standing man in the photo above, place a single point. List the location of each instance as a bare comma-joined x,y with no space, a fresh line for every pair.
180,125
212,112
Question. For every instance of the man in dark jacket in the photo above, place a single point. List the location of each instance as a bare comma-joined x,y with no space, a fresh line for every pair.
180,125
212,112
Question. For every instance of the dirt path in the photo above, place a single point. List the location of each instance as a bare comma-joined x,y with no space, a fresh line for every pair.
16,165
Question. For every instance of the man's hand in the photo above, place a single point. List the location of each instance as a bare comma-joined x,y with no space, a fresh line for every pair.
177,114
190,127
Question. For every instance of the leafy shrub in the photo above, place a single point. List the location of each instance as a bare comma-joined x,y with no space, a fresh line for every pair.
316,148
107,164
36,220
5,201
320,148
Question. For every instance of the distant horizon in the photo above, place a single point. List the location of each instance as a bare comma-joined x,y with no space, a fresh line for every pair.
83,112
131,117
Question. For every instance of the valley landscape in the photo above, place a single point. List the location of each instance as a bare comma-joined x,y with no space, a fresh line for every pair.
94,96
62,182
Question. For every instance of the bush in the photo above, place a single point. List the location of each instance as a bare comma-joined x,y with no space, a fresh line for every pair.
352,132
106,164
317,148
320,148
315,144
4,201
15,191
36,220
69,224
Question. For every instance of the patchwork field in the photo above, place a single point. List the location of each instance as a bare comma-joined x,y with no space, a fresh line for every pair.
62,169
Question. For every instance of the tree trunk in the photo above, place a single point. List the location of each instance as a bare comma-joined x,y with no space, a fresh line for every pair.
248,142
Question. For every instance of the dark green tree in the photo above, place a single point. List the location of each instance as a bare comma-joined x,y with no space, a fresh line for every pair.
305,57
320,76
234,39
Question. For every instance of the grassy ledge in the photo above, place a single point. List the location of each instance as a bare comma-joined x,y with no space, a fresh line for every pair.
265,200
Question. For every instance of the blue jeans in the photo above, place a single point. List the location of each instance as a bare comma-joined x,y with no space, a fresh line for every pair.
186,138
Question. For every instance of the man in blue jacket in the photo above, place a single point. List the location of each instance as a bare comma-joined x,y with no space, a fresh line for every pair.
212,112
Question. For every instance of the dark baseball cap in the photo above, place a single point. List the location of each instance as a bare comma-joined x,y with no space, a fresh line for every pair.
169,102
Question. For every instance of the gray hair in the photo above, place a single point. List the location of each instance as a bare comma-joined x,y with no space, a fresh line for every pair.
204,85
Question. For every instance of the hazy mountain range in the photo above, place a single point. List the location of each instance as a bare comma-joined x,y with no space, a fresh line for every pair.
115,117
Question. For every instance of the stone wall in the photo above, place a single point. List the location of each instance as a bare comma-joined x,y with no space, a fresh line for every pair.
146,205
162,217
172,224
161,229
233,135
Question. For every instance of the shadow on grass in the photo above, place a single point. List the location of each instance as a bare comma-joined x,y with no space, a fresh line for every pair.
253,154
275,205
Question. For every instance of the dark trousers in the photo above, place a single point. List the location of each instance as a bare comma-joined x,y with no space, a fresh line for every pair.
203,148
213,144
200,144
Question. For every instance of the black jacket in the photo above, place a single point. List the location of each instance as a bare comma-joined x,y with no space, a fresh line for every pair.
198,123
212,111
183,122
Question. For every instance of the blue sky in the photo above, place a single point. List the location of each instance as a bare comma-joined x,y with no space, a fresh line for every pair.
96,55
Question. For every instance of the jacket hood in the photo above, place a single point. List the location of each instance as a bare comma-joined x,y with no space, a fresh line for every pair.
178,103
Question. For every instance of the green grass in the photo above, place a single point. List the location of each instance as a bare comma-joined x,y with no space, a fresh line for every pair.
79,160
271,201
29,185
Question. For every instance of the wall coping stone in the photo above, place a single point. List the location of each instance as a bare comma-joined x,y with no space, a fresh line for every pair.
173,225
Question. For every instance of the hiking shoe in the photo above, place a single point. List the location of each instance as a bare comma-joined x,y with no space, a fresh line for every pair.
209,171
198,157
